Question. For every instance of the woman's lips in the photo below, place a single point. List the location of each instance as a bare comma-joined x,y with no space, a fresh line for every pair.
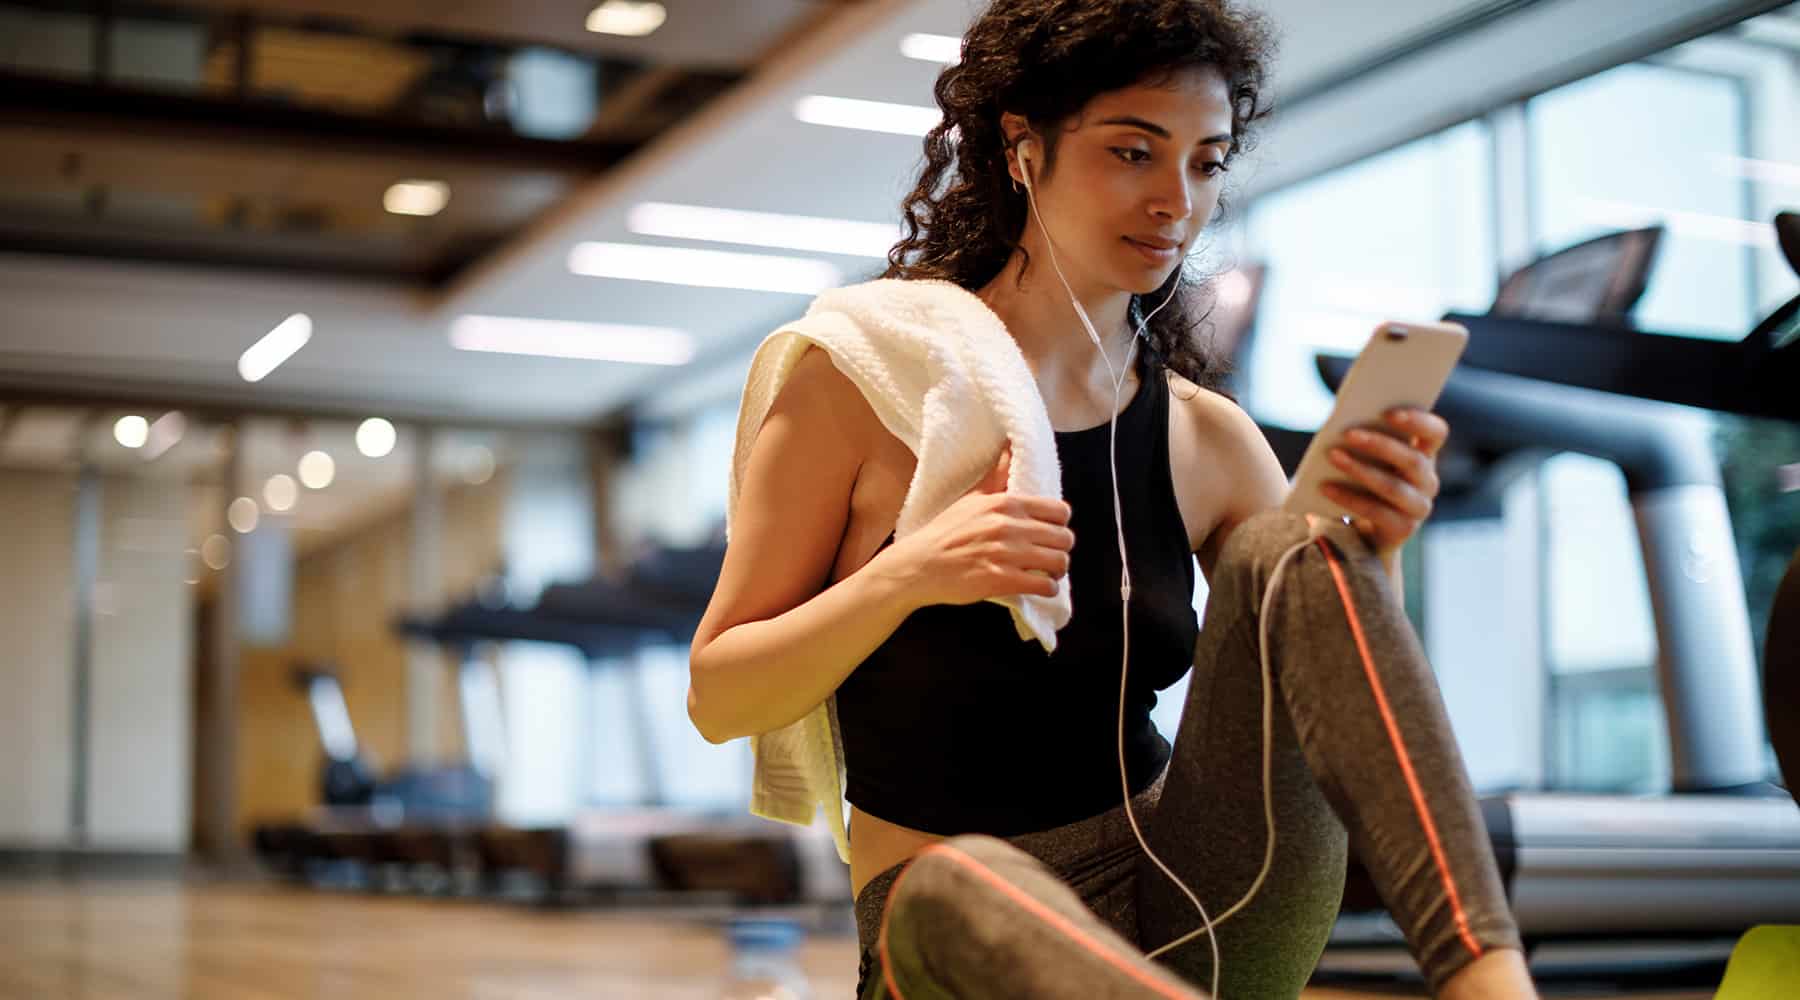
1155,255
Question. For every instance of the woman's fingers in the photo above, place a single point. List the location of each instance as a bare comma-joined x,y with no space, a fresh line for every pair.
1375,517
1037,508
1404,459
1386,486
1020,554
1425,429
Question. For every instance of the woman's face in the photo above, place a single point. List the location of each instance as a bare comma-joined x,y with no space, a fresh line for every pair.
1137,176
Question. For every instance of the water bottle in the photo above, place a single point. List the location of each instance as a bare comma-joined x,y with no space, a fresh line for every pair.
763,965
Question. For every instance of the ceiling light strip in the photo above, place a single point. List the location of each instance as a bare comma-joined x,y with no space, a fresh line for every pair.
702,268
549,338
869,116
275,347
764,229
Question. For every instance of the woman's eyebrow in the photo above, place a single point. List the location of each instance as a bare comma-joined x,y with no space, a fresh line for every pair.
1163,133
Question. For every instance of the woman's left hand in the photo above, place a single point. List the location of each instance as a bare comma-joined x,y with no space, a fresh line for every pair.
1392,475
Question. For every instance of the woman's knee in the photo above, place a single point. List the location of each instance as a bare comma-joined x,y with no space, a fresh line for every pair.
933,881
1259,544
1255,546
941,877
942,899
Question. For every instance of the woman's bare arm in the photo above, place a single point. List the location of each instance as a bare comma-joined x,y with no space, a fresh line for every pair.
1237,455
776,639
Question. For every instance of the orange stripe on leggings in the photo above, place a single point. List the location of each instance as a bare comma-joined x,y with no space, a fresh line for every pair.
887,908
1406,768
1031,906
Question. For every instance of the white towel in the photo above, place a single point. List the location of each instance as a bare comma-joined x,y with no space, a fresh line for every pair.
945,377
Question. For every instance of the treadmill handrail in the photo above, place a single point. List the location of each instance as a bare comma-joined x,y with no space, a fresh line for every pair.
1745,377
1654,445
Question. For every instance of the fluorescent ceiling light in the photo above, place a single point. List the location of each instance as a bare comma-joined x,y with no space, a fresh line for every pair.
317,470
216,552
416,198
554,338
932,48
871,116
702,268
626,17
375,437
164,434
480,467
281,492
763,229
243,515
275,347
131,431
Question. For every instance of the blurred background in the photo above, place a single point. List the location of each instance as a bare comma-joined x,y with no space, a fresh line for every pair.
369,378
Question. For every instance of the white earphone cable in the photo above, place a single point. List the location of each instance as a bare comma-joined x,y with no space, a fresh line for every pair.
1207,924
1124,561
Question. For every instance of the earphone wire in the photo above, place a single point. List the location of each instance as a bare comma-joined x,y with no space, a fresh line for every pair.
1207,924
1118,378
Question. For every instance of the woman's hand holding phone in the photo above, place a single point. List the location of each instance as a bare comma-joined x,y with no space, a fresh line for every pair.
1391,472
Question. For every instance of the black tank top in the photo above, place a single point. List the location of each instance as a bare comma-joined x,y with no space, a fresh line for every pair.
956,725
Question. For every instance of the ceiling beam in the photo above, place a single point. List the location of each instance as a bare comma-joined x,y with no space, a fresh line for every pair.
211,403
59,104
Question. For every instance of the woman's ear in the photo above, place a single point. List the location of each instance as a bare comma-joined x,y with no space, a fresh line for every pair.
1015,129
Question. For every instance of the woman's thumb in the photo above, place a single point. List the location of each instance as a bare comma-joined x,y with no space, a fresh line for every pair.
995,480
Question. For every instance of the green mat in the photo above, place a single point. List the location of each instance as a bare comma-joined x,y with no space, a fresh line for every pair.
1765,965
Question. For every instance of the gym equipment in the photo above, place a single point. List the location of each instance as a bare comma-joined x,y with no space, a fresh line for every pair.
660,599
1596,282
1765,965
1781,676
1722,852
409,794
409,827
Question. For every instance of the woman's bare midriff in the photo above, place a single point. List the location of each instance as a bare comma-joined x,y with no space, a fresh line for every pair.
877,845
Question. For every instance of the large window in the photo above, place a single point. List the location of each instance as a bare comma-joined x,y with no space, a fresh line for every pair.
1701,139
1697,140
1645,144
1404,235
1606,718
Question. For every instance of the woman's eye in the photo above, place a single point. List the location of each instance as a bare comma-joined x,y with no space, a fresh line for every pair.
1213,168
1130,155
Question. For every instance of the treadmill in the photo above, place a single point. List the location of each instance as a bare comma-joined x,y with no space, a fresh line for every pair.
1721,852
661,598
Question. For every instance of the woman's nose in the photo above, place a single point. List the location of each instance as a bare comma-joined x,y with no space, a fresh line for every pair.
1175,200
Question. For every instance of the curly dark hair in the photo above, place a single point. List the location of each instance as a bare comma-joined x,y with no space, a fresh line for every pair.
1044,60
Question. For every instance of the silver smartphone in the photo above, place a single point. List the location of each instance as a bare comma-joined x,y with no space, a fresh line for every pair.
1403,364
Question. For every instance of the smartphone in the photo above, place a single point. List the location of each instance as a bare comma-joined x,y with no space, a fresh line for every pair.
1403,364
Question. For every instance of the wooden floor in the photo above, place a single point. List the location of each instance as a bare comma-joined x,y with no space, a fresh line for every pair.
155,940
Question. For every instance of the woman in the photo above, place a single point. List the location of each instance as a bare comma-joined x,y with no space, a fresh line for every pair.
1082,152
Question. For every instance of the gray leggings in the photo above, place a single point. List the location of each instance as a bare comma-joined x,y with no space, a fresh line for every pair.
1361,744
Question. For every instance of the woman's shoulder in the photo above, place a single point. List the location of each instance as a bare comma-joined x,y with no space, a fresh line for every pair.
816,385
1215,418
1216,448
